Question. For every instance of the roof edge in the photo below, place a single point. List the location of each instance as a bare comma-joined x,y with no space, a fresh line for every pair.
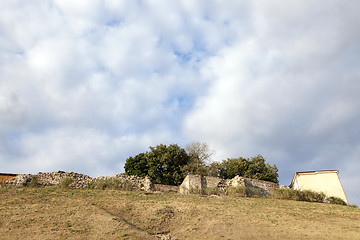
311,172
318,171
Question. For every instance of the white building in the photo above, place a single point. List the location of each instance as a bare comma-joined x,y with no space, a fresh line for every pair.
326,181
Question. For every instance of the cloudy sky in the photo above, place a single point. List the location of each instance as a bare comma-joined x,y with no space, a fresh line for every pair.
86,84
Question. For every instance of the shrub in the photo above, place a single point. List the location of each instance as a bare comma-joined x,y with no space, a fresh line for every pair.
91,185
288,194
255,193
310,196
33,183
65,182
297,195
353,206
335,200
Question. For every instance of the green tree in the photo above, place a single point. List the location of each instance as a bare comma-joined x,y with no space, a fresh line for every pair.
137,165
252,168
162,163
258,169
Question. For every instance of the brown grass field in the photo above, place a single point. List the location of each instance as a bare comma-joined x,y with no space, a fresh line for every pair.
53,213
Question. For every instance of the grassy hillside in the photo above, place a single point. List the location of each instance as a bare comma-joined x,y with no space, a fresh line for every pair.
53,213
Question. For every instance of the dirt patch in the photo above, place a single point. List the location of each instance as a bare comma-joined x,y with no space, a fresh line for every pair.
52,213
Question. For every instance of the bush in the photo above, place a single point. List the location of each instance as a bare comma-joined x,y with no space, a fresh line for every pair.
284,193
65,182
353,206
335,200
310,196
297,195
255,168
33,183
113,183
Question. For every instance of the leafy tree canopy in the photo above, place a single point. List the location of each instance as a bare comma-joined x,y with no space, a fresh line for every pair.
164,164
252,168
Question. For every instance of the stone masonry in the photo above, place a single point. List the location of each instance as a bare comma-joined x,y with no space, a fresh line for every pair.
80,181
201,182
143,184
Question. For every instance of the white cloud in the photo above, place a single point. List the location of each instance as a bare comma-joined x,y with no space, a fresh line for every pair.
85,84
283,92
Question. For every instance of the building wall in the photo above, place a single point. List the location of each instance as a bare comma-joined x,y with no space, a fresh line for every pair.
327,182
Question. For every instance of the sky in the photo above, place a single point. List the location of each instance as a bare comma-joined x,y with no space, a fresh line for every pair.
86,84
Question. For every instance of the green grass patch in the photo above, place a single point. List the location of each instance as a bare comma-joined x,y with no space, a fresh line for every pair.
33,183
65,183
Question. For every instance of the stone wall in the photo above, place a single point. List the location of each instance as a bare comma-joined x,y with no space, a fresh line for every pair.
143,184
210,182
80,181
260,184
20,180
190,182
200,182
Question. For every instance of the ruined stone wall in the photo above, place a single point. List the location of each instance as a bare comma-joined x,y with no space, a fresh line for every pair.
210,182
201,182
143,184
80,181
190,182
20,180
260,184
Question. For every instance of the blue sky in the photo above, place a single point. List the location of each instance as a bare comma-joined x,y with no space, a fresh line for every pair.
84,85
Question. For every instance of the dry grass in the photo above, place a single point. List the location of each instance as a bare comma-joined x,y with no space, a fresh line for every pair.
53,213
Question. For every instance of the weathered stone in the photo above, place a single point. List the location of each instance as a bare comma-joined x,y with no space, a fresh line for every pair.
20,180
201,182
143,184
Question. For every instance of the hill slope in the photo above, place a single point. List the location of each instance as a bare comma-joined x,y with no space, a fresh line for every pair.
52,213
